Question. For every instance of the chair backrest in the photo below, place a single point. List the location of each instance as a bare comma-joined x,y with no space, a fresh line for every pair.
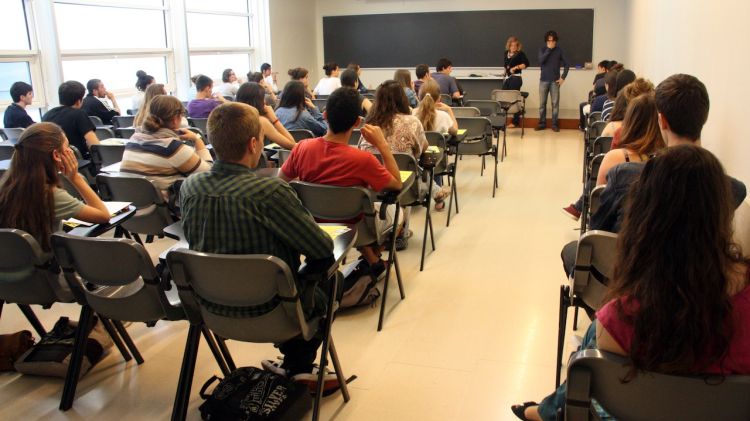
283,155
134,111
596,198
369,96
125,132
333,203
6,151
446,99
96,120
407,162
106,154
512,100
301,134
120,121
478,135
354,137
152,213
650,396
251,298
321,97
465,112
320,103
595,130
27,274
602,144
201,123
12,133
595,261
229,97
130,287
486,107
437,139
594,165
594,117
104,133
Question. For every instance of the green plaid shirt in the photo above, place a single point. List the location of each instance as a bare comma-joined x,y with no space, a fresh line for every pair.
230,210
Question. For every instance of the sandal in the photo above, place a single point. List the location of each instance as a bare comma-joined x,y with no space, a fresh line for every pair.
520,410
440,206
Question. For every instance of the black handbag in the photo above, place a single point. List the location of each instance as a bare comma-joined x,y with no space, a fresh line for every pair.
252,394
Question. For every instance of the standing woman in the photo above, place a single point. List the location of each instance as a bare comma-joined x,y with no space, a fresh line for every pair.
515,62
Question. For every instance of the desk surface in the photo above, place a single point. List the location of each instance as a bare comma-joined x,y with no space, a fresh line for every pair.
99,229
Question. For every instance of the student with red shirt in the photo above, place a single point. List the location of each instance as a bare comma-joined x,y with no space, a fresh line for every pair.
680,295
330,160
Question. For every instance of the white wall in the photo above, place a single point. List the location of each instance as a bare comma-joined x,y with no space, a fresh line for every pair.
709,42
293,37
609,36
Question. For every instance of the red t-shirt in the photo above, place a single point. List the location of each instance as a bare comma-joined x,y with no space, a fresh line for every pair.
322,162
738,357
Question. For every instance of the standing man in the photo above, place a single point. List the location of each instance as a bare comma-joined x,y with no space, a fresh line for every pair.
551,58
15,115
269,77
97,102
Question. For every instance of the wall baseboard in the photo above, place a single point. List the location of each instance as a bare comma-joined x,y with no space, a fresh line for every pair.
565,123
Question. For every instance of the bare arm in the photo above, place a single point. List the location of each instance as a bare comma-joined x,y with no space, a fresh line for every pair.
91,138
94,210
605,341
367,104
611,160
276,131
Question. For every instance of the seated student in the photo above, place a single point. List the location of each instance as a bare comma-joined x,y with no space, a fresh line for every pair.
330,160
141,84
403,77
270,98
662,248
297,112
158,152
301,74
31,198
637,130
22,95
269,77
598,89
230,210
361,88
682,103
349,79
229,84
444,79
624,77
253,94
329,83
205,101
423,75
97,102
153,90
78,128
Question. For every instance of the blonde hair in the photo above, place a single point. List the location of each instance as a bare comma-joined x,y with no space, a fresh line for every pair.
512,39
152,91
429,92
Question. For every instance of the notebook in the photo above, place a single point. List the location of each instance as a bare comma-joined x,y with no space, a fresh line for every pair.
334,231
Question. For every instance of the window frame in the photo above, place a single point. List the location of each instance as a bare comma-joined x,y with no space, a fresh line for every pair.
32,56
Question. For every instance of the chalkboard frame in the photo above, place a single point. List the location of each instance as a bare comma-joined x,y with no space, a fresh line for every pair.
428,36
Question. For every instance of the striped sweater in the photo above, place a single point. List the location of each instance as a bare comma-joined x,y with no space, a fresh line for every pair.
163,158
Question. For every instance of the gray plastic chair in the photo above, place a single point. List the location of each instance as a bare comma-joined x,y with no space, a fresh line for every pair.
12,134
595,374
115,279
242,281
593,117
332,203
6,150
282,155
596,198
152,214
96,120
591,175
465,112
512,101
103,155
123,121
497,115
200,123
446,99
354,137
125,132
478,142
594,266
602,145
104,133
301,134
320,103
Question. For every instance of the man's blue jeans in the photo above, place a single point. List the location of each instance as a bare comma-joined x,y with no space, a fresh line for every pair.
553,89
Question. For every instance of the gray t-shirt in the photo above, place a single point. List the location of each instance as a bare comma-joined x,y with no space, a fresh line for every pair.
66,206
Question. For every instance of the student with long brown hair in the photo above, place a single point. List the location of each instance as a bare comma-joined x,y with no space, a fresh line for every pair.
635,88
403,77
253,94
679,298
31,198
152,91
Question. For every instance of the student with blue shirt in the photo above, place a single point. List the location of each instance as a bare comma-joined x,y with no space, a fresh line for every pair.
22,95
297,112
551,58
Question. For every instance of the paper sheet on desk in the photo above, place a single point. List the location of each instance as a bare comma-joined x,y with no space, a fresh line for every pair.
405,175
461,131
114,209
432,149
334,231
273,145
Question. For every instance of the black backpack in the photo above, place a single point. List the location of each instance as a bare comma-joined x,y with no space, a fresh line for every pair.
252,394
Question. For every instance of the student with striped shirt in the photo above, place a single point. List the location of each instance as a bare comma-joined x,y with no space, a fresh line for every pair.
159,151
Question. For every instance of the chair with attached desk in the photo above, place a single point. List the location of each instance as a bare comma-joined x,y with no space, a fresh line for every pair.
420,194
512,102
478,142
125,132
332,203
465,112
96,121
354,137
596,374
6,150
29,275
201,124
320,103
122,121
594,266
444,167
104,133
153,213
301,134
106,154
262,291
11,134
114,278
498,116
592,174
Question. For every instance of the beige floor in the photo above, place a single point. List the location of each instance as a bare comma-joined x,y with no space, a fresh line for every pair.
476,333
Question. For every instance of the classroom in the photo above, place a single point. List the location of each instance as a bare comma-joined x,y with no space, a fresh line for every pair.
476,199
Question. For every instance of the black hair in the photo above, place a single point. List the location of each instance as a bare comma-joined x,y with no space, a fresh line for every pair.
349,78
604,64
252,94
143,80
70,92
19,89
683,101
330,67
226,74
254,77
297,73
353,66
422,70
552,34
93,84
264,67
443,63
293,97
342,109
203,81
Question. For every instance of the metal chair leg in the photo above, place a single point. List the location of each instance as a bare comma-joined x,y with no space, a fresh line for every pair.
398,276
215,350
339,372
575,318
31,317
76,358
427,222
128,341
562,321
182,399
391,263
115,338
225,352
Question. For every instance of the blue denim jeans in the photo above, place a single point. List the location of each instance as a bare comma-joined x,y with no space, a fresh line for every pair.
553,89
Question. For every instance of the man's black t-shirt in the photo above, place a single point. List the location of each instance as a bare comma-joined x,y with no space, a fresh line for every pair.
16,116
93,106
75,123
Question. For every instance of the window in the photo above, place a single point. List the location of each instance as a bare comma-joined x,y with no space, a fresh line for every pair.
203,33
212,64
116,73
14,33
19,57
228,6
11,72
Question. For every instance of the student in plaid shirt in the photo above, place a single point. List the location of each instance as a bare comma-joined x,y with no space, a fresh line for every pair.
230,210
